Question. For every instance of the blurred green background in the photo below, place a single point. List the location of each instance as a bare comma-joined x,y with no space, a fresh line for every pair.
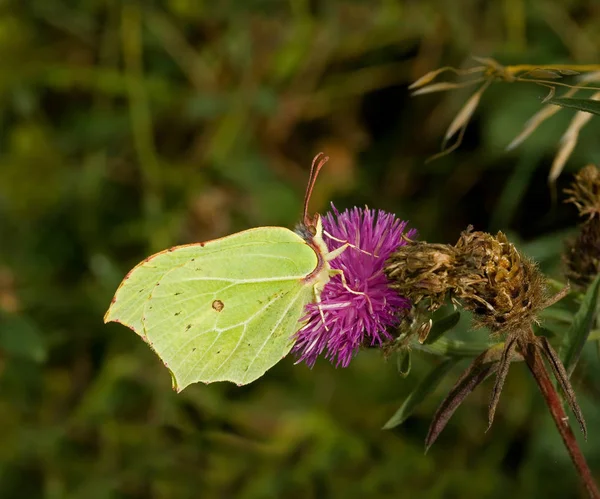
127,127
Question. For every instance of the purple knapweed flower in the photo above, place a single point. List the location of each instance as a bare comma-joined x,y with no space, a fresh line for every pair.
360,311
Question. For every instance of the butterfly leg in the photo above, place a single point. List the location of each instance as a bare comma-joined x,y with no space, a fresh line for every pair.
339,272
317,289
337,252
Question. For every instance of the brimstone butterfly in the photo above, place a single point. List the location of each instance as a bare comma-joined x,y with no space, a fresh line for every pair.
226,310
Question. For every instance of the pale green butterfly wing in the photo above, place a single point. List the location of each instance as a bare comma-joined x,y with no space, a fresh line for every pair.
224,310
129,300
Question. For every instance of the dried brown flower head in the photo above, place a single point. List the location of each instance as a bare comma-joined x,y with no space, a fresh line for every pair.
505,291
425,271
483,273
585,192
582,254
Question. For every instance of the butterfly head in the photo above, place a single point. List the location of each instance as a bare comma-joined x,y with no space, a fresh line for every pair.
311,230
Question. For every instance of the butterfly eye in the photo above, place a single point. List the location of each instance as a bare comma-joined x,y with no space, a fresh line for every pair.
306,232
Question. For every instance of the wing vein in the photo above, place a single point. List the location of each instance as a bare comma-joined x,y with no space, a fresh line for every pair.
217,337
273,329
270,304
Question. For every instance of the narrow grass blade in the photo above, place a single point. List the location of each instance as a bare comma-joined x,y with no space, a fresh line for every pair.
464,115
432,75
579,331
443,86
586,105
531,125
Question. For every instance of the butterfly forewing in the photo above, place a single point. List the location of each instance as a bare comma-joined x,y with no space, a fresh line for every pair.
133,292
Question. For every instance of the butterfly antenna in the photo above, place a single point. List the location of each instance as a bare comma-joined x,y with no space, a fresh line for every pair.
318,163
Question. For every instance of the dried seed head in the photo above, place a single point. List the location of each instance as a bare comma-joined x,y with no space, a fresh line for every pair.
585,192
423,271
506,290
485,273
582,254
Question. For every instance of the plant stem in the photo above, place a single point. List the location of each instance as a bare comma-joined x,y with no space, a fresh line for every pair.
538,369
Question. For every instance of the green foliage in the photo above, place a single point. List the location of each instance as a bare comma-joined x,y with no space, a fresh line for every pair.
129,127
586,105
577,335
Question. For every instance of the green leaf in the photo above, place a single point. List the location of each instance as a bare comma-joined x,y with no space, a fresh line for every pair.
422,390
585,105
579,331
441,326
